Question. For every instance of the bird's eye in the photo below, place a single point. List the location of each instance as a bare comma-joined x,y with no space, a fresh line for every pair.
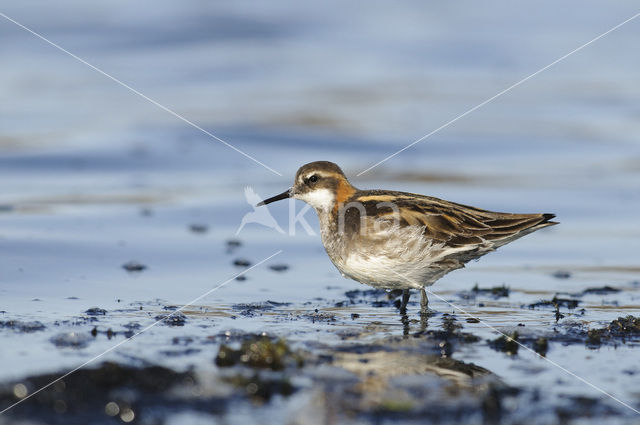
312,179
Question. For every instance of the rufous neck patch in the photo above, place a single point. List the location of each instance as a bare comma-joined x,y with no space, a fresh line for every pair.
344,191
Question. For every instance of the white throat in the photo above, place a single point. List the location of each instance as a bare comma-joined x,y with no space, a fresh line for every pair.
320,199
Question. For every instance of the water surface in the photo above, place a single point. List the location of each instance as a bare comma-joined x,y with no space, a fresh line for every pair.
92,177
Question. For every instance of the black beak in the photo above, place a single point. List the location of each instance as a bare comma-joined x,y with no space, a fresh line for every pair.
283,195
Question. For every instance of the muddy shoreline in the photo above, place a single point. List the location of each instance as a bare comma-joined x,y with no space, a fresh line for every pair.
375,372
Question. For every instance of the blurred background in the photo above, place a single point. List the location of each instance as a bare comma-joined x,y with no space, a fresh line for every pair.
291,83
93,175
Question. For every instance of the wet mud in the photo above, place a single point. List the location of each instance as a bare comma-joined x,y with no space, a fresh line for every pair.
404,368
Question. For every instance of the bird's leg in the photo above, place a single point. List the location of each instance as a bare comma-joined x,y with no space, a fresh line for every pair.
404,319
405,299
424,303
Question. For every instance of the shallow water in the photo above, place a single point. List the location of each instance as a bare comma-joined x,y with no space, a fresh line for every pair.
92,177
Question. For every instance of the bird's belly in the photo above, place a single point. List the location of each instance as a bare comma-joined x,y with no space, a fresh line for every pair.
386,272
393,258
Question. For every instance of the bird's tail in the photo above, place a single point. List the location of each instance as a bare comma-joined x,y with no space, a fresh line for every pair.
515,226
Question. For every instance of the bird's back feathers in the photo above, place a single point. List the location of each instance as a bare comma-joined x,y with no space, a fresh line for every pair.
445,222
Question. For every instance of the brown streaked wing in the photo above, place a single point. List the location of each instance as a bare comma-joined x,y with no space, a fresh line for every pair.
448,222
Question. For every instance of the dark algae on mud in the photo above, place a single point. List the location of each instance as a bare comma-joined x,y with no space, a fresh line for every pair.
260,352
622,329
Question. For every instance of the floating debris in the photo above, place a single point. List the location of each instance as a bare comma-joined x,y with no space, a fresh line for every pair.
319,316
506,343
232,245
198,228
279,267
603,290
172,319
541,346
23,327
556,302
130,329
133,267
71,340
182,340
180,353
562,274
250,310
109,332
241,262
170,307
132,326
495,292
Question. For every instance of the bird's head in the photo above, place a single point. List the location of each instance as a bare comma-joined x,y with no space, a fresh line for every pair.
321,184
